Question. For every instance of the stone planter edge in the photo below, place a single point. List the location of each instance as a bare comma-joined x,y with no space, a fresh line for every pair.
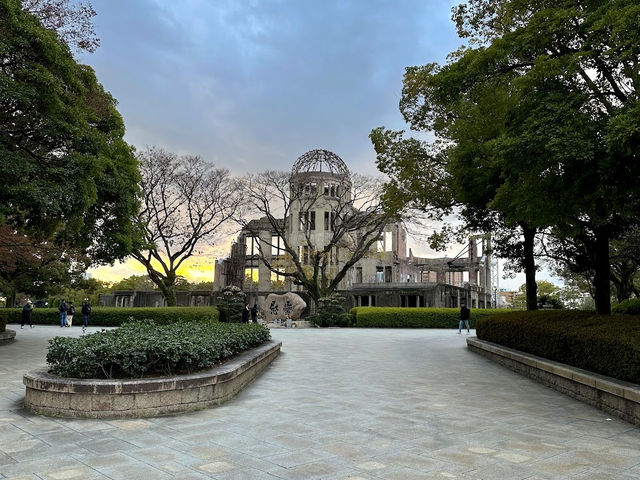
613,396
7,336
49,394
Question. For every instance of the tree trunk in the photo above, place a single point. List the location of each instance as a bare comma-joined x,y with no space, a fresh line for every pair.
601,281
169,295
11,299
530,267
622,280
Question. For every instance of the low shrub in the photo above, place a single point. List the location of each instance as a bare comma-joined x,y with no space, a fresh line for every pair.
231,302
143,348
397,317
3,320
609,345
115,316
341,320
631,306
331,313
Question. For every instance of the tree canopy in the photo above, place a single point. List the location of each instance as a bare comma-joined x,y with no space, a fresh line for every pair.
68,180
537,124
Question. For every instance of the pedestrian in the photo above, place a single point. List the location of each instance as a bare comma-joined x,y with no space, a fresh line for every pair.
27,310
254,313
86,311
465,313
62,308
71,310
245,314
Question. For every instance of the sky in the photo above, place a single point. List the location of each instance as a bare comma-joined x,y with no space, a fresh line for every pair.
252,85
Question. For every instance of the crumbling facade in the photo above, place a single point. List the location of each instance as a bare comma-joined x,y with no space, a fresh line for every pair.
390,275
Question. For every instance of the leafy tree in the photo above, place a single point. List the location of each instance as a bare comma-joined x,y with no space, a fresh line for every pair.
202,286
625,265
548,294
91,285
134,282
566,74
231,302
573,262
185,202
590,49
467,169
68,181
78,290
577,293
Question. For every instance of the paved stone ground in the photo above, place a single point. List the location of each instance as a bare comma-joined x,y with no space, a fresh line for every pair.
343,404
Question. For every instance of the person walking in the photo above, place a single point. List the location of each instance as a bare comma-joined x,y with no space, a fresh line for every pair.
465,313
86,311
62,308
245,314
71,311
27,311
254,313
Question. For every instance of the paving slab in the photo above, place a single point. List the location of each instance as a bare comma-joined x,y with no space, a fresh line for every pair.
337,404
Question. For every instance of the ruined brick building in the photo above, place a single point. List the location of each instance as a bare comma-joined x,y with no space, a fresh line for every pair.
389,275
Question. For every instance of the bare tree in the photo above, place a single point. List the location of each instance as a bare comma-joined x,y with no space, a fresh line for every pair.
72,21
185,201
321,233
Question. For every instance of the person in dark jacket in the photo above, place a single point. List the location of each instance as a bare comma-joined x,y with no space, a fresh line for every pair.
86,311
62,308
254,313
465,314
245,314
27,311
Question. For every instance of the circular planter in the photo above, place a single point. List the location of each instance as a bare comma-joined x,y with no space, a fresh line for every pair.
49,394
7,336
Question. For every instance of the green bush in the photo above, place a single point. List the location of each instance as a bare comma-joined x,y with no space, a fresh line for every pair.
341,320
144,348
114,316
231,302
3,320
609,344
331,313
397,317
630,306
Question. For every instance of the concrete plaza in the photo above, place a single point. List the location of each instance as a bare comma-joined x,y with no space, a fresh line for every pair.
337,403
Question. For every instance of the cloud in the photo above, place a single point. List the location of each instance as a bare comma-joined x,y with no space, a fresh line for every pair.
252,85
258,83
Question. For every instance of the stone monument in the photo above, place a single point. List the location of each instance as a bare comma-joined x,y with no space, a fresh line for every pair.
279,306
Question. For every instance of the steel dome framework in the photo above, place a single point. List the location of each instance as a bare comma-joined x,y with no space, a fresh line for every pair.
320,161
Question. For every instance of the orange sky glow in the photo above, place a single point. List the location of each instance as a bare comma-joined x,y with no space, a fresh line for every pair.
196,269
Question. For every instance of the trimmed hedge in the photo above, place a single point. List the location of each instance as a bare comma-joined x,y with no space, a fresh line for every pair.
342,320
144,348
397,317
631,306
609,345
114,316
3,321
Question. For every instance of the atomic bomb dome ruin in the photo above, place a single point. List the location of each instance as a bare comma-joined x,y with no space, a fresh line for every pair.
389,276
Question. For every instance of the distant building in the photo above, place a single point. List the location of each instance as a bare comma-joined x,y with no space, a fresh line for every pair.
505,298
154,298
390,275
